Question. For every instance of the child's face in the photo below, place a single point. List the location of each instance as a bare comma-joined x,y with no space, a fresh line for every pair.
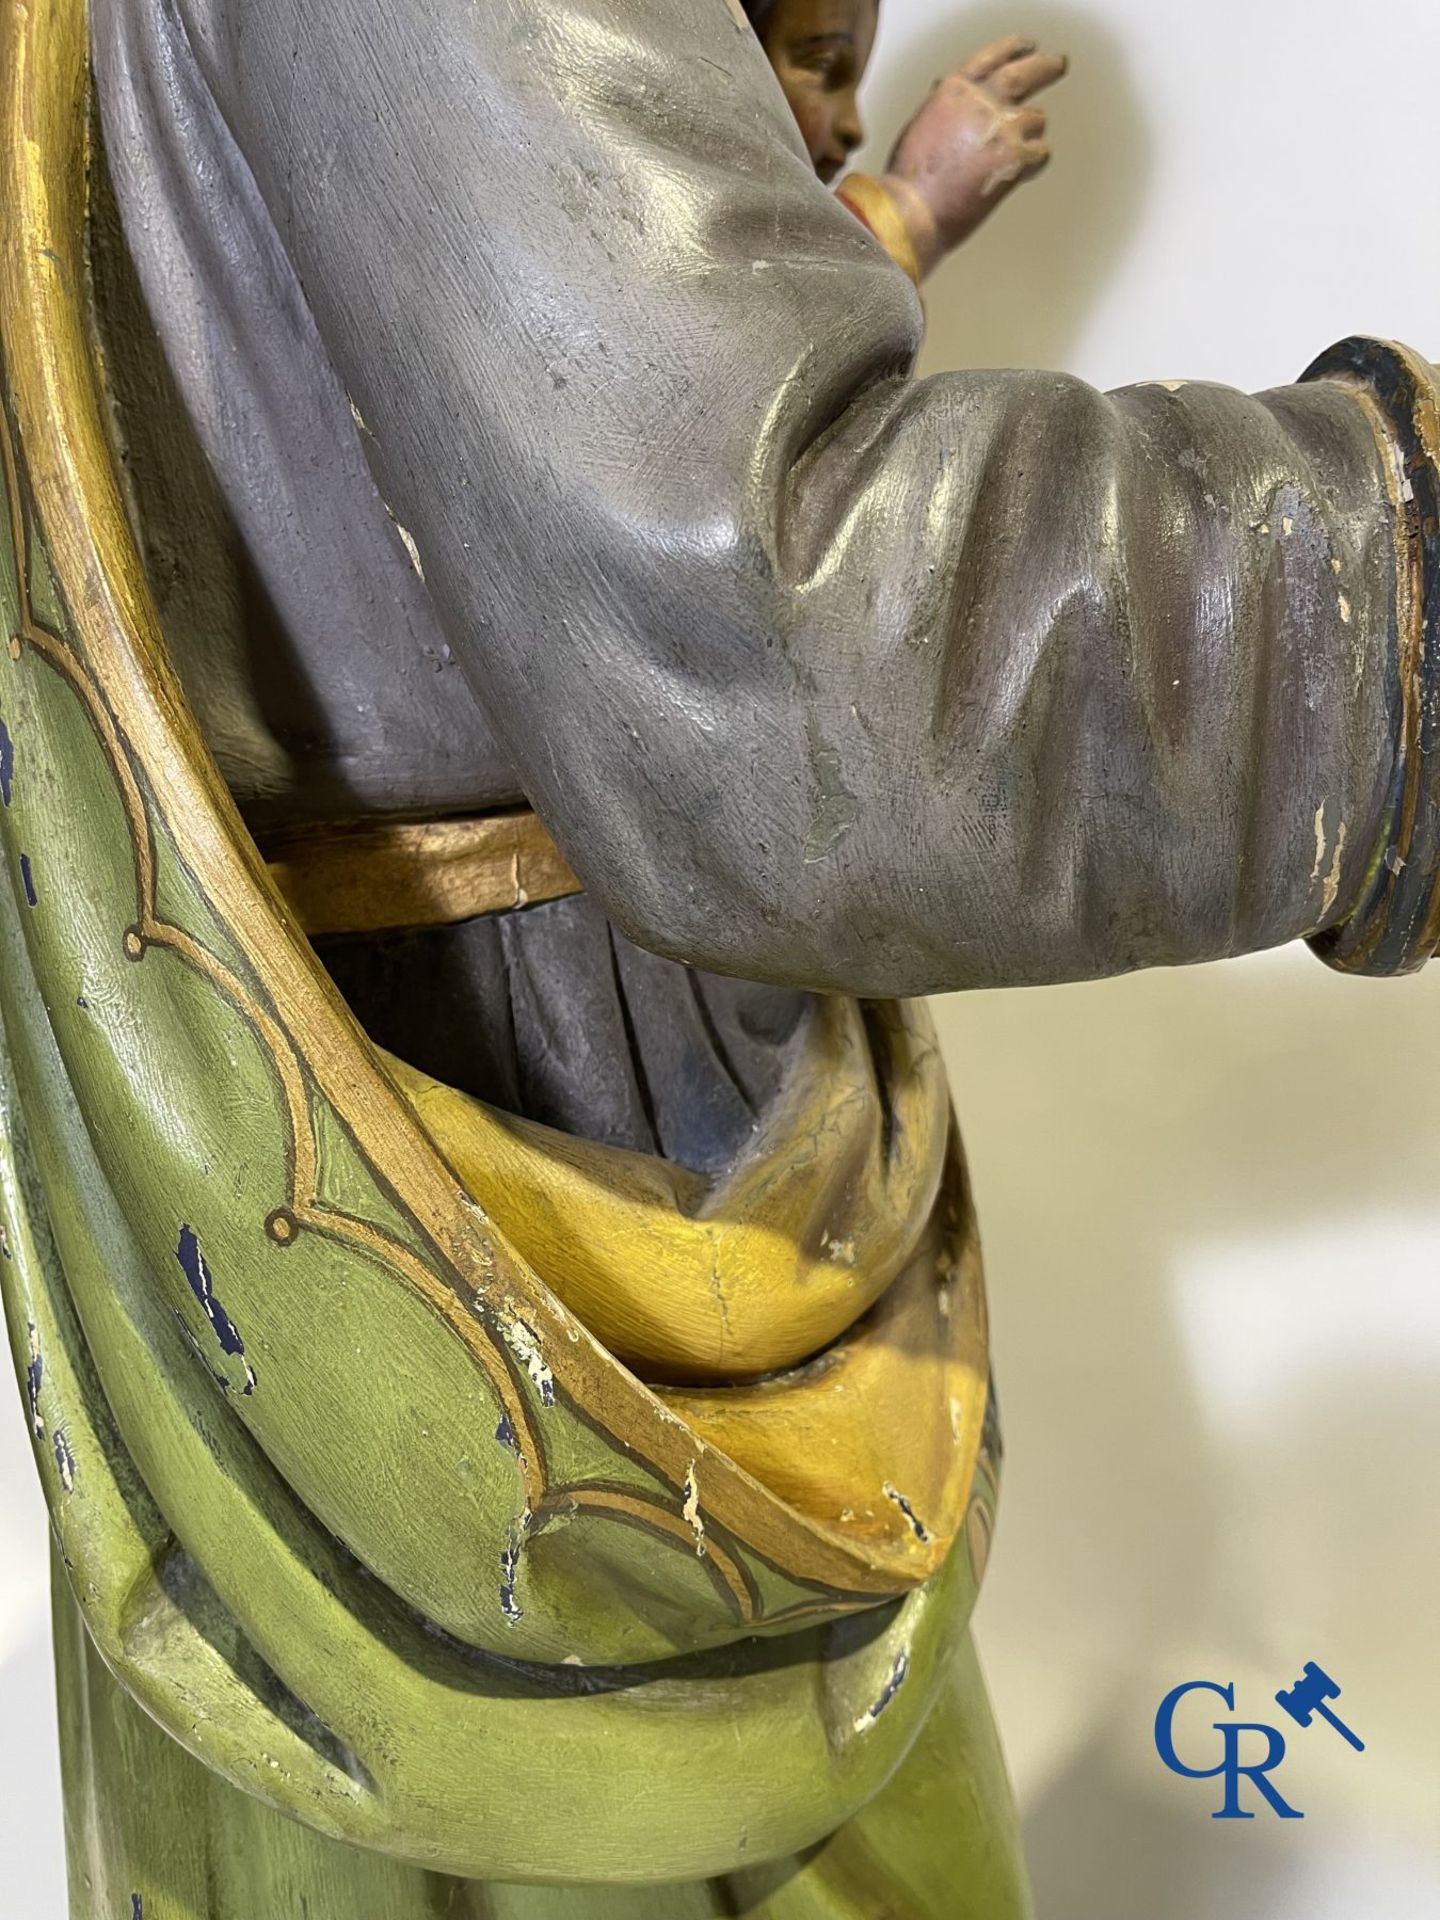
819,50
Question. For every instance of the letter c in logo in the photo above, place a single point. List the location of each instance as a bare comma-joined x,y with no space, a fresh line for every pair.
1165,1727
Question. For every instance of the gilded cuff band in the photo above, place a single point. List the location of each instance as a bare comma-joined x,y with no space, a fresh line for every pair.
1394,926
874,206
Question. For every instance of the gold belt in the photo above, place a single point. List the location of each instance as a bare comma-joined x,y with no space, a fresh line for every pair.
379,875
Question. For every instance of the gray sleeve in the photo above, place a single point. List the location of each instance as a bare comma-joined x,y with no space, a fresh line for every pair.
818,673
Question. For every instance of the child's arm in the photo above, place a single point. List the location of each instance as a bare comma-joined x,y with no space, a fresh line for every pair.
976,137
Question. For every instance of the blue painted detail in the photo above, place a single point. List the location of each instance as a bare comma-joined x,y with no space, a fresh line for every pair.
81,1001
137,1907
202,1285
7,763
28,880
505,1433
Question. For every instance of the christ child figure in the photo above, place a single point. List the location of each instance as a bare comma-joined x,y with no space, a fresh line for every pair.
977,135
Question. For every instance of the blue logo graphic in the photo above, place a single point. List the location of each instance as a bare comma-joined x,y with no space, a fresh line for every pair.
1240,1756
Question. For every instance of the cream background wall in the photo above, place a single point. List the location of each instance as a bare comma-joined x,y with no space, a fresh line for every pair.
1211,1200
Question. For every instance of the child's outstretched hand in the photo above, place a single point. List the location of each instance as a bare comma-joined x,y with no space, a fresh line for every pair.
976,137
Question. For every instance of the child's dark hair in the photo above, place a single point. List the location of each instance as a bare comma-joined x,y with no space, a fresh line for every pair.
756,10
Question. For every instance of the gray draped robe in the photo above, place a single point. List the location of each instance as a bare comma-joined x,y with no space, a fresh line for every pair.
567,446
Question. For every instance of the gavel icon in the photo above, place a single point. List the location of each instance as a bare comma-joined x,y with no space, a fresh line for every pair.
1307,1698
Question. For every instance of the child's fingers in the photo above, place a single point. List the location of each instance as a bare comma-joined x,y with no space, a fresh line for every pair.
982,64
1017,79
1035,154
1030,125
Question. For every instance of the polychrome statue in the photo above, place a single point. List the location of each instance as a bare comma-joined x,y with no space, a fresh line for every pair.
512,690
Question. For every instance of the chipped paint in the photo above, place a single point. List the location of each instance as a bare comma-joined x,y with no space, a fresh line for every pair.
64,1459
691,1510
510,1570
1002,177
1346,611
34,1375
842,1252
917,1525
202,1284
1332,879
887,1693
517,886
1320,841
410,547
27,880
832,803
472,1205
7,763
523,1343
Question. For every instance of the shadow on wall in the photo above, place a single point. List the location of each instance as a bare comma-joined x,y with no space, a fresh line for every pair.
1018,293
1255,1140
1101,1851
